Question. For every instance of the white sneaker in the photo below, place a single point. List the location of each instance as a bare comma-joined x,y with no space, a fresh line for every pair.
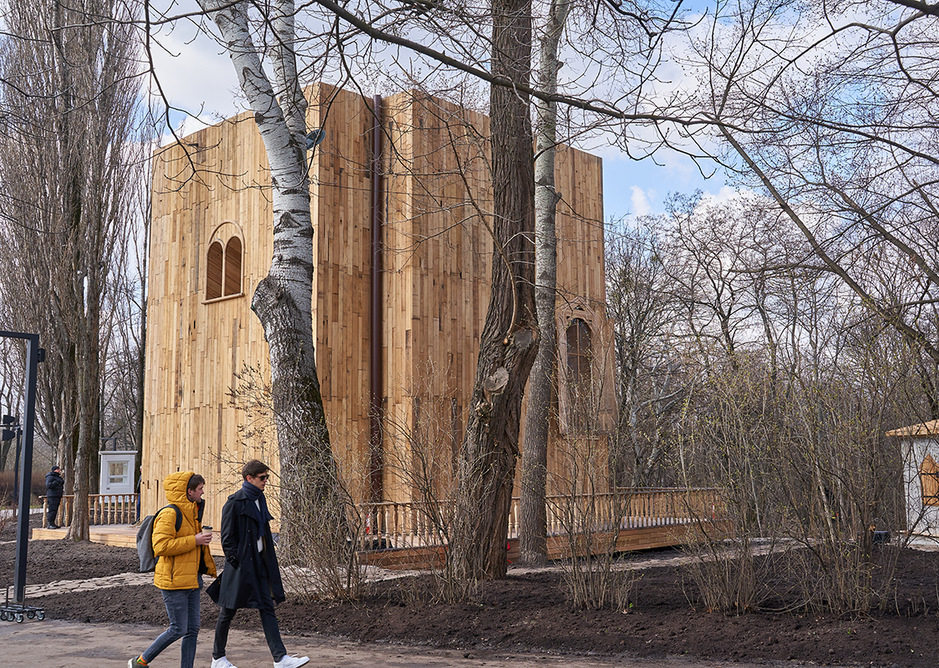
291,662
222,663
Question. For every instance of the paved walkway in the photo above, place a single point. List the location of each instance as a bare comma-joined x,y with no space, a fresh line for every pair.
10,512
372,574
55,644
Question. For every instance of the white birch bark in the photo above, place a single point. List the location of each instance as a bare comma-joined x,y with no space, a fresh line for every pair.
283,299
533,542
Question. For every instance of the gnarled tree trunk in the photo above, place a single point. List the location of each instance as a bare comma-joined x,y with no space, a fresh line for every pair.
510,335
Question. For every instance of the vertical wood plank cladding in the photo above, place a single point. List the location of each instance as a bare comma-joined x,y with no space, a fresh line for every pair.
437,263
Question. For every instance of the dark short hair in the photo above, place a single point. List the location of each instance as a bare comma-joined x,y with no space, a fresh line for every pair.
254,468
194,481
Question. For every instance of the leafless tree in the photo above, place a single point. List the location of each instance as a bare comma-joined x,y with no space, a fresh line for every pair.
509,339
533,546
630,36
283,299
651,381
69,96
831,112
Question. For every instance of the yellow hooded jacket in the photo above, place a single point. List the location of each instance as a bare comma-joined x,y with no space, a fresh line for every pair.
178,566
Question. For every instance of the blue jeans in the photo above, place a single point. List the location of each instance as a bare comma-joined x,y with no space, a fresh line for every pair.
182,607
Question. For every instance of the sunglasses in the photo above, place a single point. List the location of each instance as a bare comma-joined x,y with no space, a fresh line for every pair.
264,476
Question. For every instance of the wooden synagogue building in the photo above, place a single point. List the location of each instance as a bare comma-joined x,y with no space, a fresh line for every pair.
401,287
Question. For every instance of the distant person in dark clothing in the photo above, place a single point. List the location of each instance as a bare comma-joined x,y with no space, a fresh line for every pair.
55,486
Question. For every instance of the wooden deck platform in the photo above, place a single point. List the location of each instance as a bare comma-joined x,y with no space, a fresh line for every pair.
627,540
119,535
641,519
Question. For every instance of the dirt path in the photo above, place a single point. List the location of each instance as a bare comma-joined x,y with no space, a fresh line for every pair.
57,644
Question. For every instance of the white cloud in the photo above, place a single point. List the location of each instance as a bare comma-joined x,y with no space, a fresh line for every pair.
193,71
725,195
640,202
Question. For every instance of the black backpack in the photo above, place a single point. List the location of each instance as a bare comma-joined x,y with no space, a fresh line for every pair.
148,560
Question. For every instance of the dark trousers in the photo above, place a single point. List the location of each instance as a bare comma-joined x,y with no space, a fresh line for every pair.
268,622
53,502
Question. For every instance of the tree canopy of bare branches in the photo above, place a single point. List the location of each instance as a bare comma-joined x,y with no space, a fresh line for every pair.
69,97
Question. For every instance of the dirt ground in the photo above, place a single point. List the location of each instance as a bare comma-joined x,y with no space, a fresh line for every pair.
527,611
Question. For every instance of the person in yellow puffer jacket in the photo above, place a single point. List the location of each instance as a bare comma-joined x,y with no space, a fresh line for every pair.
184,558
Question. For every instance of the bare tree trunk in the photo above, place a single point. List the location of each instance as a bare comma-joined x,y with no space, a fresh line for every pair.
89,413
141,359
508,346
533,544
283,299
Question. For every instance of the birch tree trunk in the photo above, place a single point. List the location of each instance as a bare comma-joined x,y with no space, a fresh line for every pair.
509,340
283,299
533,542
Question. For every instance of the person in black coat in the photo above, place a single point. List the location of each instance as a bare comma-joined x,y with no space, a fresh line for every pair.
55,486
251,578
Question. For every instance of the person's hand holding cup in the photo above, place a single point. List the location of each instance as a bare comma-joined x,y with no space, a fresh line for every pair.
205,537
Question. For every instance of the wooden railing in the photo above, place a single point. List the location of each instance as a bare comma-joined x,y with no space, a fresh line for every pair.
393,524
105,509
627,509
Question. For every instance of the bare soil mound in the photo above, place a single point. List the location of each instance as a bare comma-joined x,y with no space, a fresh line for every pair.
528,611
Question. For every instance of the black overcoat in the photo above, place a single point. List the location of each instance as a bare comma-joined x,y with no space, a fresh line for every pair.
239,585
55,485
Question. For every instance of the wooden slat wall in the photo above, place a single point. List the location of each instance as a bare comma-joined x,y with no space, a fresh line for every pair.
436,284
194,349
581,292
341,196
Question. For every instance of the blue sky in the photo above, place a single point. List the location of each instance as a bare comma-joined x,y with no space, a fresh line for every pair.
638,188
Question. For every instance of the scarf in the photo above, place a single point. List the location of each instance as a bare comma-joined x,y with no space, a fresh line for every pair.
256,494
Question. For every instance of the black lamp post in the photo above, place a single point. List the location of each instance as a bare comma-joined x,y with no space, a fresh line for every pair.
34,355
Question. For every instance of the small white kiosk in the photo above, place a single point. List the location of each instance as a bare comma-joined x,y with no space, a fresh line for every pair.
919,449
117,471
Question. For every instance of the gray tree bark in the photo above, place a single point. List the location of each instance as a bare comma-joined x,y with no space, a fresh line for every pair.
510,335
533,546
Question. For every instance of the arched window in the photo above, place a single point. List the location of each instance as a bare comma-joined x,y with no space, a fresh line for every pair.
929,479
213,280
233,267
579,373
224,262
